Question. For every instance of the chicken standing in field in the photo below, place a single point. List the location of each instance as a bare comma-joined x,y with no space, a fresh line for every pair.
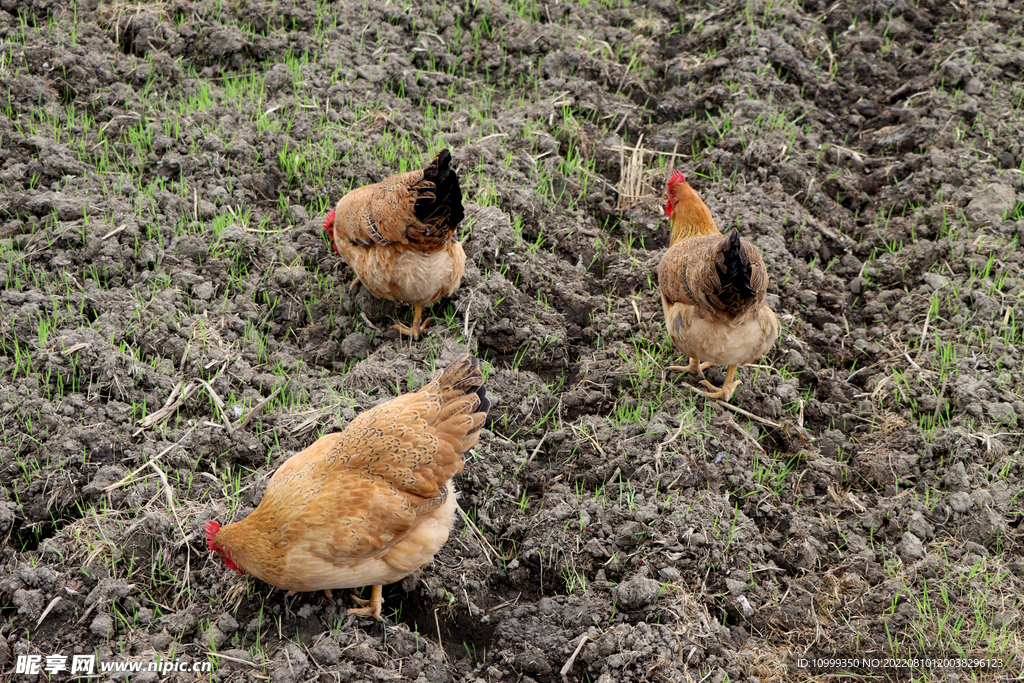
369,505
398,236
712,291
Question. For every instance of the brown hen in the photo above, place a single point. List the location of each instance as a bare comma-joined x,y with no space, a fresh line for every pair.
712,291
398,236
369,505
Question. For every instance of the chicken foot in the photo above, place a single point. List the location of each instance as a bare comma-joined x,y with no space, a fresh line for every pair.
726,392
695,367
418,325
371,607
355,283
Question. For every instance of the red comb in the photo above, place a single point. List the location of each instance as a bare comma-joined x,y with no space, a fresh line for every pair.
677,177
329,227
212,528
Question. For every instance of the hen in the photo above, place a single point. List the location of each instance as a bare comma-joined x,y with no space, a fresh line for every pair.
712,291
398,236
369,505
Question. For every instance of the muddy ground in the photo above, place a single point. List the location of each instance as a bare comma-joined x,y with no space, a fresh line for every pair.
165,168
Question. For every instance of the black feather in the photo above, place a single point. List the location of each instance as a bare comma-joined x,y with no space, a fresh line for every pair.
734,272
446,197
485,403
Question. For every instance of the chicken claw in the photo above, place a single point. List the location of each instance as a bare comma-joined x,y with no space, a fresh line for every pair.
355,283
695,367
728,388
371,607
418,325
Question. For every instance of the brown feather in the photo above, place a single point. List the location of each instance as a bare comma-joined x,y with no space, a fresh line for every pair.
334,514
689,215
398,235
713,287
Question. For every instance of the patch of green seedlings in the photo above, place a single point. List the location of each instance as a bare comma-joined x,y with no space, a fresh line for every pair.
952,614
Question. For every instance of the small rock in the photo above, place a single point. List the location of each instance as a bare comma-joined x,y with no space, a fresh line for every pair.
226,41
910,546
117,411
637,593
278,77
289,276
289,254
227,624
161,640
372,73
919,527
206,210
974,86
670,574
212,638
106,591
356,345
1001,412
232,233
291,667
960,501
102,625
364,653
991,203
808,297
533,662
326,652
745,607
985,527
69,209
935,281
105,476
957,479
29,603
203,291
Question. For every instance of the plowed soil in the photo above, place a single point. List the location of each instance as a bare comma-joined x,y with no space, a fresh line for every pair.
174,325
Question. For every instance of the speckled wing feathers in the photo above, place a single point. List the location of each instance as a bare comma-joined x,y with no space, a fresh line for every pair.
357,493
422,208
691,273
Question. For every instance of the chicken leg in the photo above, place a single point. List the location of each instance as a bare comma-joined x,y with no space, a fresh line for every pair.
418,325
726,392
371,607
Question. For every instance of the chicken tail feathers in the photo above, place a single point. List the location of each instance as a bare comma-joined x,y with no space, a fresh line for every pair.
463,378
439,205
738,291
734,270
